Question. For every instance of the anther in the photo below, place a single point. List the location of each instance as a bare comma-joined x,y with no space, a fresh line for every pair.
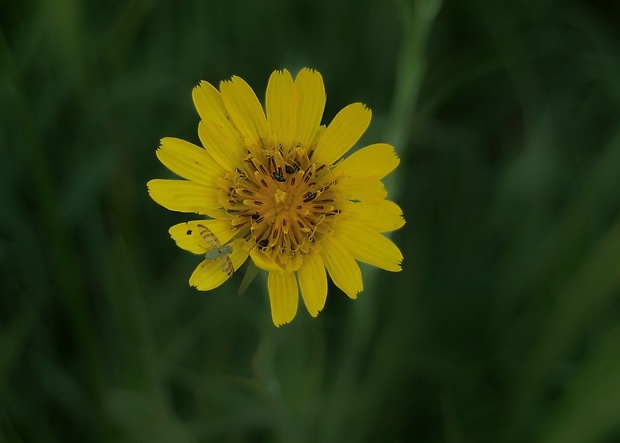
309,197
278,177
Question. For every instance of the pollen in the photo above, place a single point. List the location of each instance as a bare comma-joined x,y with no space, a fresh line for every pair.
282,198
282,202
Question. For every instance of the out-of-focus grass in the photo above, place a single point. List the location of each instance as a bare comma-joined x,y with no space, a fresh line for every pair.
503,325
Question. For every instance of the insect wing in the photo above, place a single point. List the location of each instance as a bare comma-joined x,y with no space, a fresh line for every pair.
227,266
209,237
218,250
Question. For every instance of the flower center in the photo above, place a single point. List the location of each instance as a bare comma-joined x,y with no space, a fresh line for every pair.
281,203
282,198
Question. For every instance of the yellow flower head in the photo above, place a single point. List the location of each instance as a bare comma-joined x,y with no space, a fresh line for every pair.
276,190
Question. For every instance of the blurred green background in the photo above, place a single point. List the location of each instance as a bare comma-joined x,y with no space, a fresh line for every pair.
504,325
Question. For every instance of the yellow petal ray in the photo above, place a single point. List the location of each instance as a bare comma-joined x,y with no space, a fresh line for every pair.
227,150
187,235
283,296
375,161
244,109
342,268
189,161
313,283
208,102
383,215
317,136
279,103
217,132
369,246
310,104
361,189
263,262
342,133
209,275
184,196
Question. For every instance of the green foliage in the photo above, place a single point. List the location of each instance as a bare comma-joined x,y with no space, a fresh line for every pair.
503,325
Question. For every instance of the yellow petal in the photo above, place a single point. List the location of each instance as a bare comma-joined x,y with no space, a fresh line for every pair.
367,190
244,109
341,266
368,246
184,196
310,104
189,161
239,255
375,161
216,131
226,149
342,133
187,234
209,274
261,260
383,215
209,103
280,106
313,283
283,296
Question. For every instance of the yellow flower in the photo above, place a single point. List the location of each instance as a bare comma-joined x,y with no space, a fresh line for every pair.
275,189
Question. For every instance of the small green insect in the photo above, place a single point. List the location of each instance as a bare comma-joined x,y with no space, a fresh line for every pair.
217,250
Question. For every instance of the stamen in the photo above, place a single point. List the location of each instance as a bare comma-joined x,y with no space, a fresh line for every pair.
267,202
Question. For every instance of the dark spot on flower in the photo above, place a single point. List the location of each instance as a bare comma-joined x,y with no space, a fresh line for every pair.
278,177
309,197
189,232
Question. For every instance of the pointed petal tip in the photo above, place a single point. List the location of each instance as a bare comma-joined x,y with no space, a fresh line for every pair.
352,295
197,88
278,321
281,323
310,70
